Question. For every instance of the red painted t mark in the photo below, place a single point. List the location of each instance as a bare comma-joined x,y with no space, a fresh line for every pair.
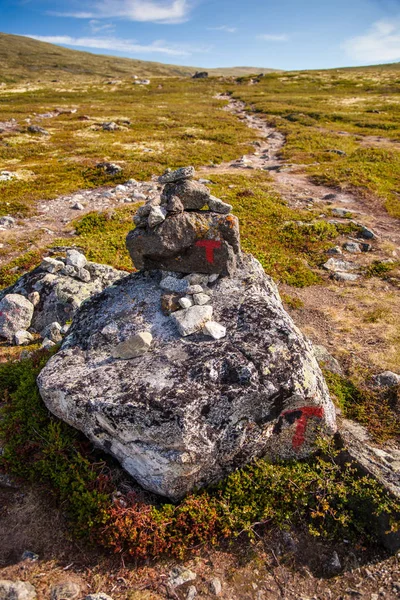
210,246
306,413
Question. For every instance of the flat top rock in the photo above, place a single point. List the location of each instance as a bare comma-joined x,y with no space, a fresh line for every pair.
177,175
191,409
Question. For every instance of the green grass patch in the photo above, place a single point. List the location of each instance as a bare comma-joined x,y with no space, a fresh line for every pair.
373,409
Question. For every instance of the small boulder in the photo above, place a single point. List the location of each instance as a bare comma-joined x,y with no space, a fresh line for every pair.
201,298
192,194
78,206
34,297
47,344
387,379
216,586
7,222
37,129
98,596
180,575
352,247
216,205
68,590
134,346
345,276
109,168
367,233
22,338
16,590
52,265
214,330
170,303
175,285
52,332
16,314
156,216
174,205
336,265
191,320
110,126
76,259
185,302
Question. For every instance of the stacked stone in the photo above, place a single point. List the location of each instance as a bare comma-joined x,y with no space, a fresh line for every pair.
192,238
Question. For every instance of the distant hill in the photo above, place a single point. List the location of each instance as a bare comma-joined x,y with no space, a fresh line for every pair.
23,58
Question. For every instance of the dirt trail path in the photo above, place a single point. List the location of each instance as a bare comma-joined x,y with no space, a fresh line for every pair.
296,187
53,218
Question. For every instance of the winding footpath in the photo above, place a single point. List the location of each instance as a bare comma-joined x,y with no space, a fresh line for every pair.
53,218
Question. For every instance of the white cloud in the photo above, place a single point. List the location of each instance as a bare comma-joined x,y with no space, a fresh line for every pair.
273,37
380,44
223,28
120,45
155,11
96,26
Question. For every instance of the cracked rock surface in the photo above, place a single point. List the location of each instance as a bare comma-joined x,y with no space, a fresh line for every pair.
191,409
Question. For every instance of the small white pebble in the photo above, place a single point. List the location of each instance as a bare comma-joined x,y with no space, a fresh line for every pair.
185,302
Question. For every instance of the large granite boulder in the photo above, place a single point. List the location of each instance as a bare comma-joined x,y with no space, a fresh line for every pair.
188,410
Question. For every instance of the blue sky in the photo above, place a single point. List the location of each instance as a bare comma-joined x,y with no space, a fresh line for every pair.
284,34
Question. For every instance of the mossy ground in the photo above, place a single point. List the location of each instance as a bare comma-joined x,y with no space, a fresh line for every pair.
331,499
180,121
328,111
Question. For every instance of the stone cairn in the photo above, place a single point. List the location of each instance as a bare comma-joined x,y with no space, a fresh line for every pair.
176,235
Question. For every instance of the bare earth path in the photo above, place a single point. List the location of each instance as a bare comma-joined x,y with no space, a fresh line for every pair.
287,566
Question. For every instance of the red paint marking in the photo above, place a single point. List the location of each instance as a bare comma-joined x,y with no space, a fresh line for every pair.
306,413
210,246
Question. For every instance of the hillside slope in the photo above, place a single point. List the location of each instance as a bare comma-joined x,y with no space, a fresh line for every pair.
24,58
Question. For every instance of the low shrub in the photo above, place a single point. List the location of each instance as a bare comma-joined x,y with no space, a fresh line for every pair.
330,499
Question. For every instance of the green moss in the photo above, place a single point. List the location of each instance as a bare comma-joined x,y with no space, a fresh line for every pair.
331,499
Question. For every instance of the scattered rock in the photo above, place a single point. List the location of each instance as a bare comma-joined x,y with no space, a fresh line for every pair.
110,126
180,575
7,222
387,379
332,565
185,302
191,320
337,266
201,298
341,212
366,233
216,586
172,176
28,555
109,168
65,591
76,259
366,247
16,590
16,314
23,338
214,330
335,250
134,346
345,276
170,303
191,593
47,344
352,247
37,129
53,332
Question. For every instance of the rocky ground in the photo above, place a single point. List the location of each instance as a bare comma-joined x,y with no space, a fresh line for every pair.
278,565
